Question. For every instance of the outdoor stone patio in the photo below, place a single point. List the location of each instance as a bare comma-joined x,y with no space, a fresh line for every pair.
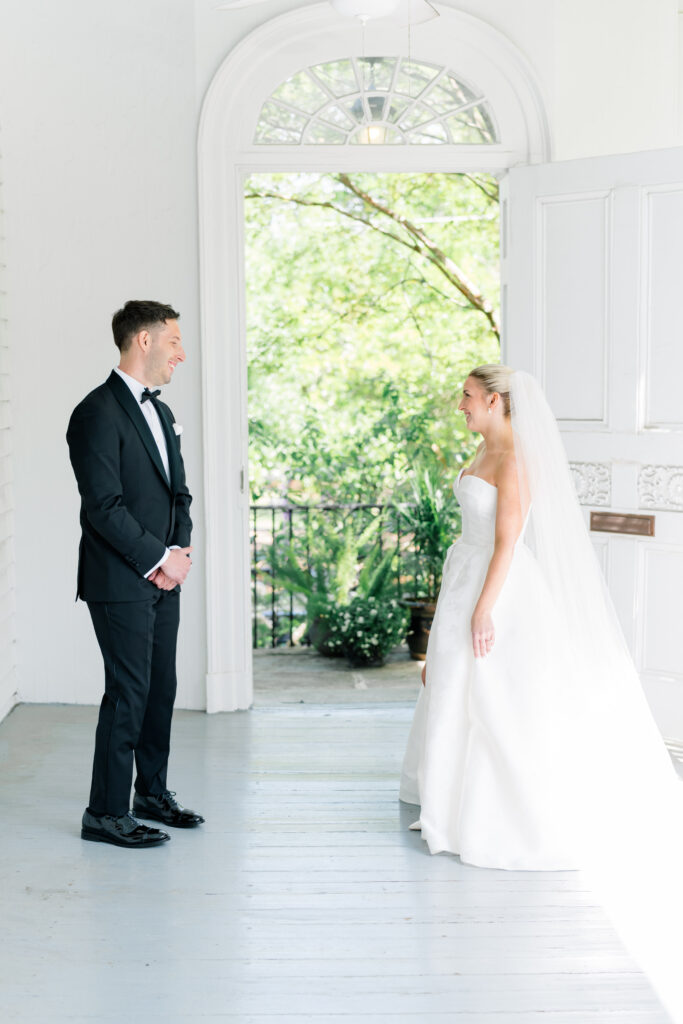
299,675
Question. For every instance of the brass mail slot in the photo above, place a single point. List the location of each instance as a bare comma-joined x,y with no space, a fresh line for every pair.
618,522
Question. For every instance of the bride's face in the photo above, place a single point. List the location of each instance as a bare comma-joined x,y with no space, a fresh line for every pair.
474,404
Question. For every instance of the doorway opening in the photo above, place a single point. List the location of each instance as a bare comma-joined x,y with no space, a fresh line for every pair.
369,298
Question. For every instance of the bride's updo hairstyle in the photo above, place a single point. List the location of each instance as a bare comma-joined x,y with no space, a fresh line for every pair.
494,377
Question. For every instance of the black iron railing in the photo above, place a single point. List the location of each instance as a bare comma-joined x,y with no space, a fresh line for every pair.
278,616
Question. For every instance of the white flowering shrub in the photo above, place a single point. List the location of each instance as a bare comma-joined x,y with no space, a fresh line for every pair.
365,629
327,630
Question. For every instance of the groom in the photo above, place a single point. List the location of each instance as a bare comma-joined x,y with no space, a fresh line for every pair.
125,451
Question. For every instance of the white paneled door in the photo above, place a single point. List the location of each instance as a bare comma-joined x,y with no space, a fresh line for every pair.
592,286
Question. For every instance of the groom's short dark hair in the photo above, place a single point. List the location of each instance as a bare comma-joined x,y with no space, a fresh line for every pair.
138,315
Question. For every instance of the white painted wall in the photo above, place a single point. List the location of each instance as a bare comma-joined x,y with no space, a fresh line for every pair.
615,84
99,107
97,103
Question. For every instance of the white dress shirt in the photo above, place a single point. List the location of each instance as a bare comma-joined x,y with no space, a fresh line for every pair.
152,416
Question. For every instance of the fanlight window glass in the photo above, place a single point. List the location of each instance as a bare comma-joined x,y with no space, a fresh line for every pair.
380,100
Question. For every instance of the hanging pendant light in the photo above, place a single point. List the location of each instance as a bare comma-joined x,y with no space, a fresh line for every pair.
372,135
372,132
374,129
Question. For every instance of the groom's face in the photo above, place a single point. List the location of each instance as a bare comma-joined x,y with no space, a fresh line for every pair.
164,352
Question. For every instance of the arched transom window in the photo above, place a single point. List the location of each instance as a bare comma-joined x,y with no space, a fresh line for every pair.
380,100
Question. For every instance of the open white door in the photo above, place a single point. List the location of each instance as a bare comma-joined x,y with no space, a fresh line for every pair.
592,269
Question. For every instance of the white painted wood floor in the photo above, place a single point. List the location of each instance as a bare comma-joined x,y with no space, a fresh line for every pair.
304,898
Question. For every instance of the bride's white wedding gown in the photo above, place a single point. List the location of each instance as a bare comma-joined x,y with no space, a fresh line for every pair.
498,744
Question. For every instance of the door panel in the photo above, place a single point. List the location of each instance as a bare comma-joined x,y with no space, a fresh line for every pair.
572,264
592,275
663,288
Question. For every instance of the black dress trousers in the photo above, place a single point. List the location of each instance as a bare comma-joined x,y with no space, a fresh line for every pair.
138,644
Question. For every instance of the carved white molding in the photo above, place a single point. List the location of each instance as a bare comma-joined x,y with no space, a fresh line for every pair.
593,482
661,487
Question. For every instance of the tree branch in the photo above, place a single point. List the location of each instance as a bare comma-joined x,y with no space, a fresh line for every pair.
416,322
418,241
337,209
354,306
493,196
430,250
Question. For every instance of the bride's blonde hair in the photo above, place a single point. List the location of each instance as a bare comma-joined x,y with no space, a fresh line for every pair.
494,377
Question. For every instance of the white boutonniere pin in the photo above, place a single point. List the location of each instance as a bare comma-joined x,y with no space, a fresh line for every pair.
177,429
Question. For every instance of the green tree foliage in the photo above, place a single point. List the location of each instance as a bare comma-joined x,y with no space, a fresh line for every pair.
369,297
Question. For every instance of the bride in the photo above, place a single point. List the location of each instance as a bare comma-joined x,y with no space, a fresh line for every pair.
532,745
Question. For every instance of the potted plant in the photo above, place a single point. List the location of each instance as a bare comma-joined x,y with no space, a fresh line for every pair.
371,627
371,621
433,518
333,576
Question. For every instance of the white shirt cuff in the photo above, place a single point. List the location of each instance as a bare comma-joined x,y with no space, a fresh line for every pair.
161,561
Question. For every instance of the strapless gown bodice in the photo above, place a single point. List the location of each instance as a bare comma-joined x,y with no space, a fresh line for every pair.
478,501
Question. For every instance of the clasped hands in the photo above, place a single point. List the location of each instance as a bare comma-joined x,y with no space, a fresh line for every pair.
173,571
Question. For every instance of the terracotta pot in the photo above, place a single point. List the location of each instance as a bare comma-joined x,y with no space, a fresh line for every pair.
421,616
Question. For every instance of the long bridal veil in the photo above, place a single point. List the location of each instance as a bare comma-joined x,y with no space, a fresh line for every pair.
597,664
629,801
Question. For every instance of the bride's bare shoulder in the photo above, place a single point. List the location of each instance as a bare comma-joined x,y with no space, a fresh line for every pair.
507,476
513,487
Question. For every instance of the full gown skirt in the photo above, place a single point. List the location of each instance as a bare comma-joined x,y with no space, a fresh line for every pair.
500,751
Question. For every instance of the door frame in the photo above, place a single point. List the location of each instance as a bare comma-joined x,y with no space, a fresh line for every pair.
226,156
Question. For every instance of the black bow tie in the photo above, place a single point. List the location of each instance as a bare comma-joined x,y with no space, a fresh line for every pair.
149,394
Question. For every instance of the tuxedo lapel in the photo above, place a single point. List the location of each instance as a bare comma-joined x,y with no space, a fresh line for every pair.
171,446
124,397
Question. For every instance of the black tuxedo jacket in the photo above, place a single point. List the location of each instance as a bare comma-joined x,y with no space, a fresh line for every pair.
130,511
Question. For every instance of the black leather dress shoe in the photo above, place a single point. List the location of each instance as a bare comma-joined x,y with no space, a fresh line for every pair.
121,831
166,808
